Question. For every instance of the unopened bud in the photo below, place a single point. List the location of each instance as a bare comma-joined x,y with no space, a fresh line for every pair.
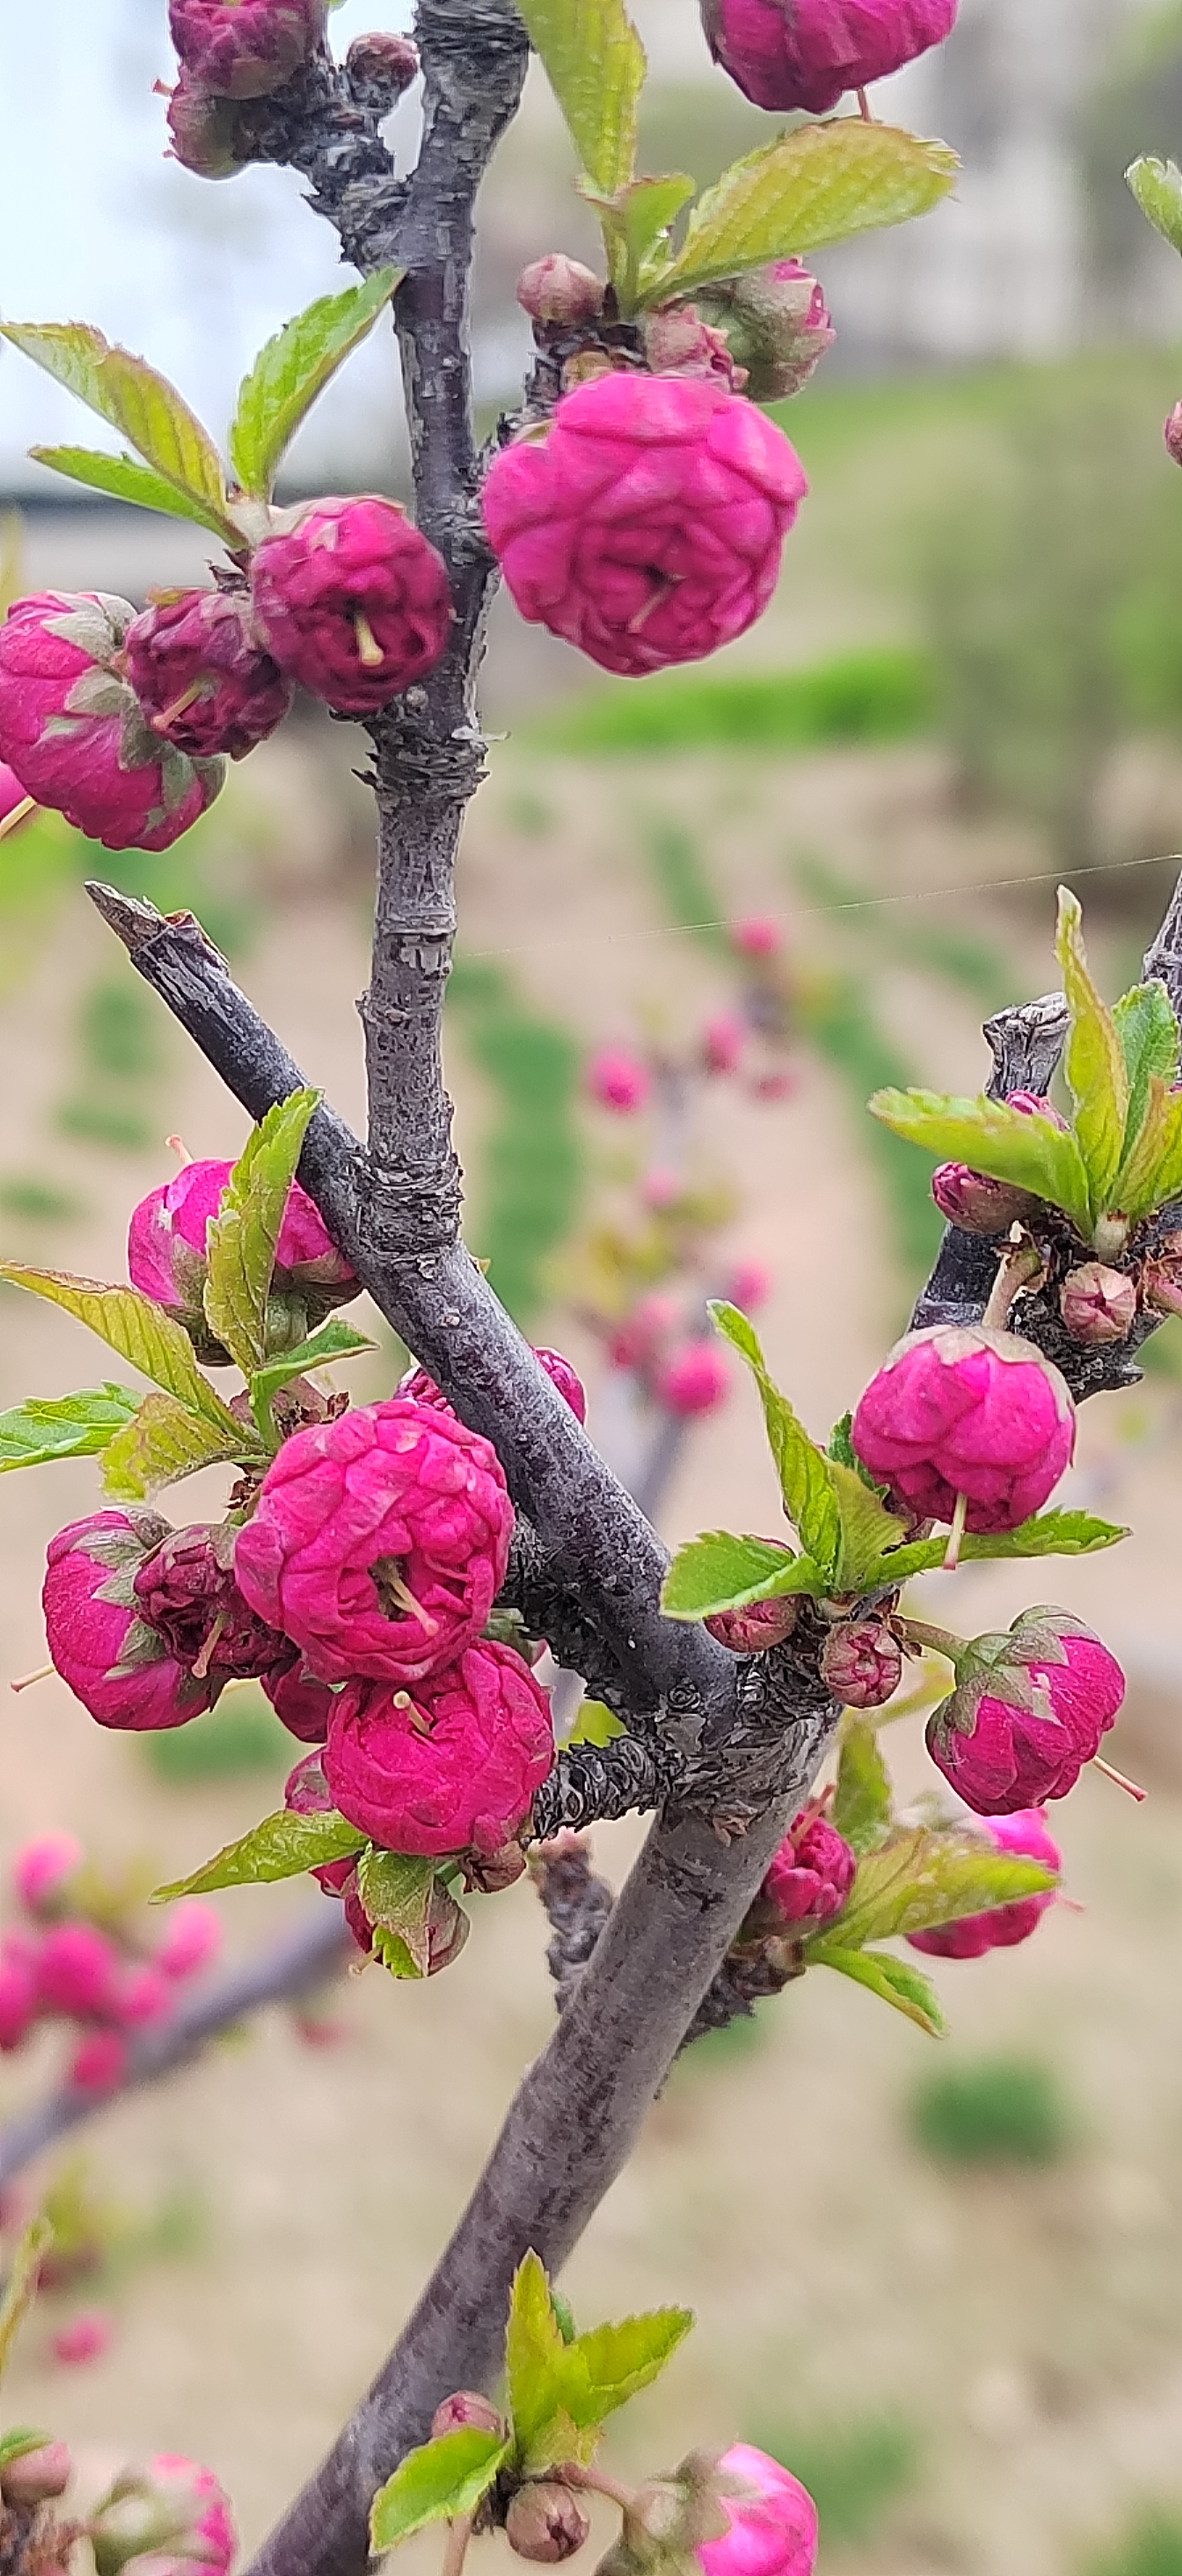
37,2476
381,65
677,342
557,289
760,1625
205,133
1098,1305
545,2522
1172,434
861,1663
465,2410
495,1870
1110,1237
976,1204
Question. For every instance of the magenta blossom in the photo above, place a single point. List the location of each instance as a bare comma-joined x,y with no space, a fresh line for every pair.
18,1988
694,1379
379,1541
166,1245
1024,1834
71,728
772,2520
811,1875
99,2061
172,2518
244,48
192,1940
12,794
618,1080
421,1389
789,54
43,1869
352,601
202,680
1001,1757
644,523
113,1661
79,1973
301,1703
957,1409
187,1593
452,1770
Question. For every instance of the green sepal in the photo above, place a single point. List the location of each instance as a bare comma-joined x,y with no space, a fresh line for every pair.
895,1980
862,1805
241,1239
282,1846
820,184
1029,1152
293,369
63,1426
438,2482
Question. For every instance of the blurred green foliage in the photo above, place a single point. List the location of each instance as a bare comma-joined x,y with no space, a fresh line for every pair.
1000,2111
531,1165
682,879
878,694
854,2473
1152,2546
241,1735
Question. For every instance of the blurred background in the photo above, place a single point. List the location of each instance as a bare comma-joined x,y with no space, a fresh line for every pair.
945,2286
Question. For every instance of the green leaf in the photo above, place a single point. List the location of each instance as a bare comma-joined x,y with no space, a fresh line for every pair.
606,2367
635,225
820,184
1157,187
63,1426
436,2483
868,1528
1047,1534
335,1340
997,1140
128,481
148,410
862,1802
240,1240
293,368
282,1846
895,1980
143,1334
807,1480
1148,1034
534,2354
596,1724
1093,1060
921,1876
843,1453
720,1572
163,1442
20,2287
1152,1170
595,65
395,1892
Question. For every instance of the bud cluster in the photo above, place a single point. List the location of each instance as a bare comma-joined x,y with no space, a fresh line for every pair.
80,1954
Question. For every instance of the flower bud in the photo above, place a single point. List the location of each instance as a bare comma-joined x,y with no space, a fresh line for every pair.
757,936
85,2338
463,2409
545,2521
172,2514
36,2477
1172,433
790,54
191,1941
560,290
959,1409
723,1041
618,1080
761,1625
678,342
381,66
1098,1305
811,1875
1001,1927
202,681
771,2519
861,1663
977,1204
245,48
776,324
99,2062
352,601
1033,1104
78,1972
72,730
1029,1709
42,1871
694,1379
205,132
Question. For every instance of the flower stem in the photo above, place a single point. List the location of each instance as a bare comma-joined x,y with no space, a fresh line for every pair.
936,1641
459,2534
1018,1266
597,2482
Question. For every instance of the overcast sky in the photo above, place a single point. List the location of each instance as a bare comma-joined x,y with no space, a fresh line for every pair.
97,225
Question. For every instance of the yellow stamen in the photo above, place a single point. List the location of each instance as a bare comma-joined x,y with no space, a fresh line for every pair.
19,814
27,1679
369,650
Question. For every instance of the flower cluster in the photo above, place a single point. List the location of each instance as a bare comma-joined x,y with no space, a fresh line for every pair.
170,2518
167,1247
80,1956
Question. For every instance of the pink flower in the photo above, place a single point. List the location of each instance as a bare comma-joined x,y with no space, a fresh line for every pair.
144,1996
757,936
959,1410
72,731
379,1541
202,681
192,1940
187,1593
694,1379
1001,1758
85,2338
773,2522
301,1703
352,601
99,2062
749,1286
167,2520
18,1989
452,1770
637,1340
861,1663
786,54
42,1868
12,793
243,48
419,1388
79,1973
1025,1834
112,1660
618,1080
645,522
761,1625
723,1042
167,1235
812,1873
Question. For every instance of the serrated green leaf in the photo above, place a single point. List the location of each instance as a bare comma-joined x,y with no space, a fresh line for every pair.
895,1980
1093,1060
130,394
604,2368
436,2483
635,226
395,1893
843,1453
143,1334
163,1442
820,184
1148,1034
862,1802
596,1724
534,2352
868,1528
1157,187
994,1139
293,368
807,1481
721,1572
282,1846
63,1426
240,1240
1152,1169
20,2286
1047,1534
922,1876
595,65
127,481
